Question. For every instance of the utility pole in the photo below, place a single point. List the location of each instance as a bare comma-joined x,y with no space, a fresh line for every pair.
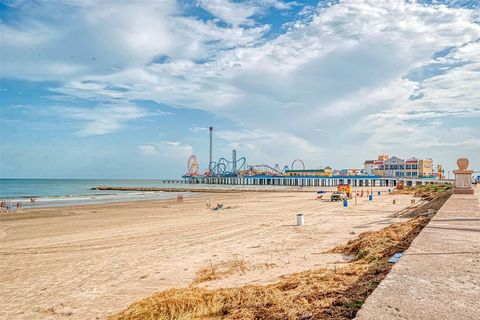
234,161
211,146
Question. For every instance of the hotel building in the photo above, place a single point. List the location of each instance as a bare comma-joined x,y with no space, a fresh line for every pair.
395,167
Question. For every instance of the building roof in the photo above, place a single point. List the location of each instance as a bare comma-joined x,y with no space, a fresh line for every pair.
394,159
369,162
412,160
306,170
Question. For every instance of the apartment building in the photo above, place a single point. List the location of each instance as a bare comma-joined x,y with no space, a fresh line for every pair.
394,167
398,168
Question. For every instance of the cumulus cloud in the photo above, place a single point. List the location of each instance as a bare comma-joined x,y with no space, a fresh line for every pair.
147,149
259,146
102,119
237,13
68,40
353,76
228,11
166,151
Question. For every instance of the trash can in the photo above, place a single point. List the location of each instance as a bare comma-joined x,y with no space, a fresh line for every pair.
370,197
345,203
300,221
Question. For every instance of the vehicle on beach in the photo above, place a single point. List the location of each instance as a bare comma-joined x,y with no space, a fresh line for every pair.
345,188
338,196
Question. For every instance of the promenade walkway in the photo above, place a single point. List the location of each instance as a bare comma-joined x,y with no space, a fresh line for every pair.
439,275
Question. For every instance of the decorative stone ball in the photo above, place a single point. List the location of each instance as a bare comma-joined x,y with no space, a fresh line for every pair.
462,163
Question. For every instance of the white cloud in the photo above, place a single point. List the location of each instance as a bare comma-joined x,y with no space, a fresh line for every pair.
102,119
167,150
341,75
228,11
259,145
238,13
196,129
100,38
175,149
147,149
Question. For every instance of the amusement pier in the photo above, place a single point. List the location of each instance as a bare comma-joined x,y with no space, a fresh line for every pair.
385,171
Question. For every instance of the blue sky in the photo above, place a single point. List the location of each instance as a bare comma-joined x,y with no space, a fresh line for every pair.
127,89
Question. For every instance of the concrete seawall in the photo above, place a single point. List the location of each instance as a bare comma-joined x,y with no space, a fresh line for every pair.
439,275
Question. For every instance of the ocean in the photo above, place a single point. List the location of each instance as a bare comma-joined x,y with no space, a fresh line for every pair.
66,192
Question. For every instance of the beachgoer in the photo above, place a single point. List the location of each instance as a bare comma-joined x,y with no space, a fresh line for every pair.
19,206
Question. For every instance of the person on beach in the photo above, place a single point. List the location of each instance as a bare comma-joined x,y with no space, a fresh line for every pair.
19,206
2,206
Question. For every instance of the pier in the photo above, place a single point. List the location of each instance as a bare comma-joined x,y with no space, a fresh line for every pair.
285,181
313,181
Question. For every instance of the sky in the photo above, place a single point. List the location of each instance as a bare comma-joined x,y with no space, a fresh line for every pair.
128,89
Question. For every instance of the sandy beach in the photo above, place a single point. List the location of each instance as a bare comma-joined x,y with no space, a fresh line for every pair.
87,262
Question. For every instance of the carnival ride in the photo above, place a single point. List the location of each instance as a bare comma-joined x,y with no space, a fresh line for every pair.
225,167
297,161
235,167
193,166
262,169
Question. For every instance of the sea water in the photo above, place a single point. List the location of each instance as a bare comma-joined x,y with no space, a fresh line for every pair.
65,192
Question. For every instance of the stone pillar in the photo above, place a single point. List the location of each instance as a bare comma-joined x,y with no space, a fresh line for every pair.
463,178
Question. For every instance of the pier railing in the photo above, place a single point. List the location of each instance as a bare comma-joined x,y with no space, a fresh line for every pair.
355,181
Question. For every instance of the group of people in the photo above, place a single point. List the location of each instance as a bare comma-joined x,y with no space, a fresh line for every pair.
9,206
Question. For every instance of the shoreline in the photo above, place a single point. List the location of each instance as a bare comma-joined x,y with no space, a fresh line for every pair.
126,195
102,205
95,199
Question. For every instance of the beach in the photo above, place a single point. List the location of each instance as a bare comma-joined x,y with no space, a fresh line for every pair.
86,262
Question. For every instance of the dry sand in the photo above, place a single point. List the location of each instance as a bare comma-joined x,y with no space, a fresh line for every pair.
86,262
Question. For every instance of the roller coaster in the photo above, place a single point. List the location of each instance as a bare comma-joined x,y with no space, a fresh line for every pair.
232,168
225,167
237,167
263,169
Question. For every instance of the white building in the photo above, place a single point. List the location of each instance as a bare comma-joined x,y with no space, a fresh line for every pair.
394,167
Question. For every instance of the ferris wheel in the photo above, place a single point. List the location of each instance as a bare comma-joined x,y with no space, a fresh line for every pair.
193,165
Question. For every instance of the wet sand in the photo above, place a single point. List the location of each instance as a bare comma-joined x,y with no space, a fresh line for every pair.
86,262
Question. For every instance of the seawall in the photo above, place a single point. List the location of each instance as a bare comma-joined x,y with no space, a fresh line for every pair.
439,275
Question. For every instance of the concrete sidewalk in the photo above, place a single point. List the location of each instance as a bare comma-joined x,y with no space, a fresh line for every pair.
439,275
